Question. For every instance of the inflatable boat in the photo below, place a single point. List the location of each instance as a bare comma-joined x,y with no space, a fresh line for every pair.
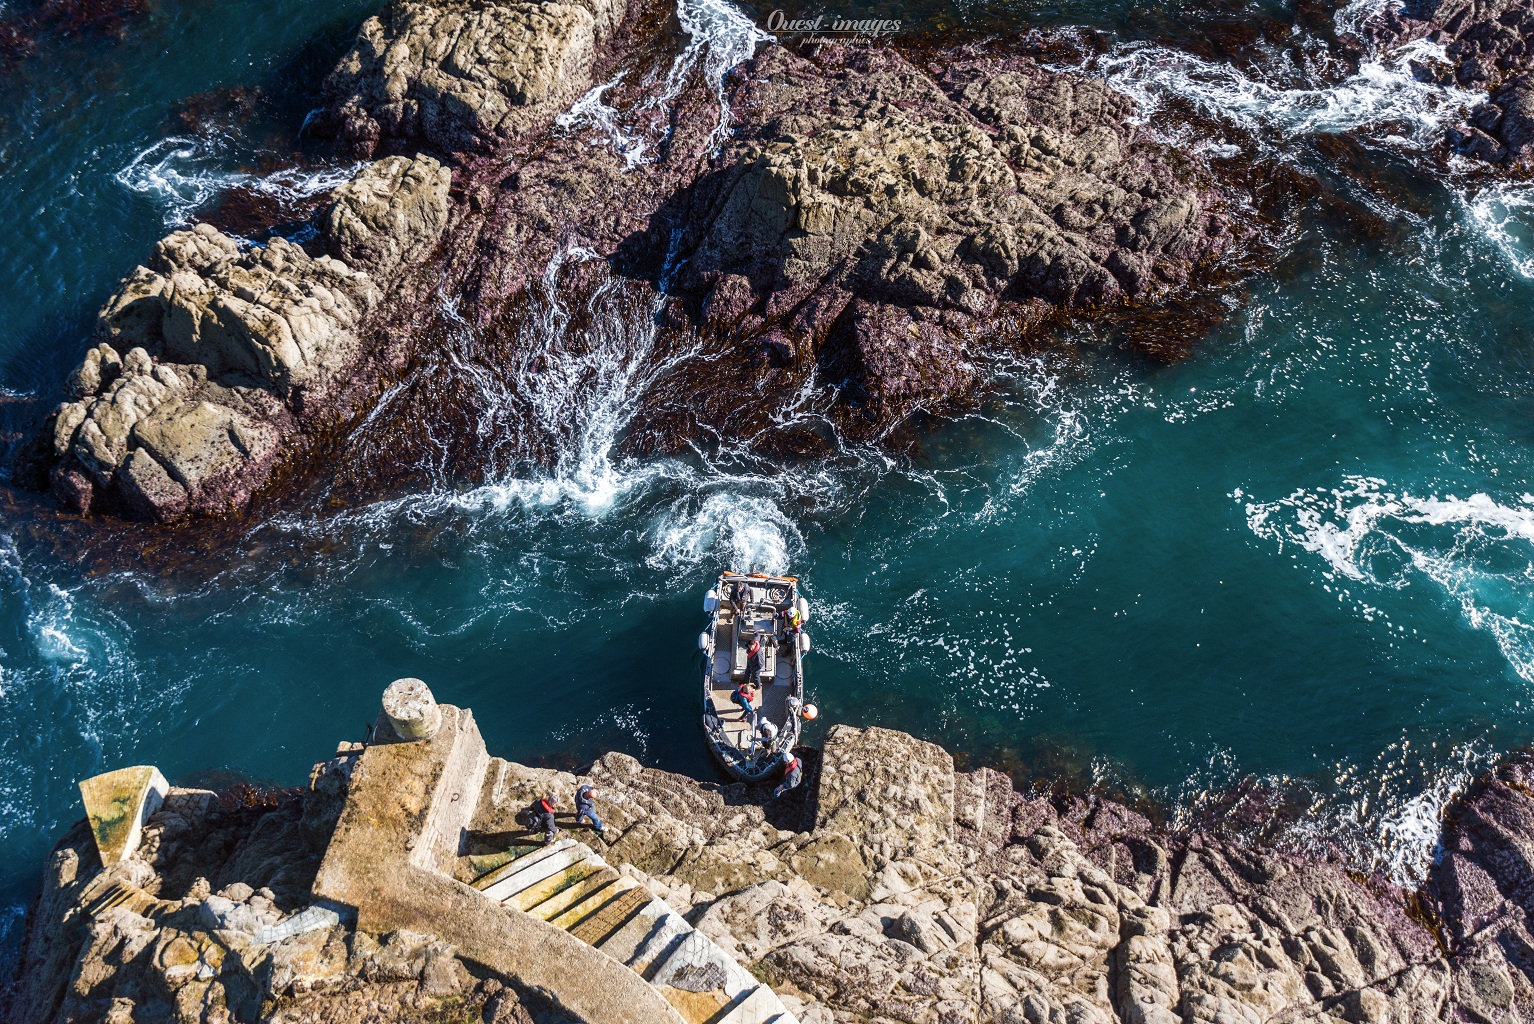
769,611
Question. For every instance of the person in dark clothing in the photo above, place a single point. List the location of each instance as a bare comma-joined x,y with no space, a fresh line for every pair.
792,774
542,817
586,808
753,662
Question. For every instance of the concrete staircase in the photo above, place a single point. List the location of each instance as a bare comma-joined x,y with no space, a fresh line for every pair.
566,884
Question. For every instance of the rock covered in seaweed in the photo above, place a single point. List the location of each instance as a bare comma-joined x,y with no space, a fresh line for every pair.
871,222
879,214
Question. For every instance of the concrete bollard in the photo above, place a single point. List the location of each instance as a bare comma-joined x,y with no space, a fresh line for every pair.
411,709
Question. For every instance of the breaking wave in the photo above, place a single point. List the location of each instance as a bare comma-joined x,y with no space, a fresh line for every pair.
1382,817
1478,551
1503,214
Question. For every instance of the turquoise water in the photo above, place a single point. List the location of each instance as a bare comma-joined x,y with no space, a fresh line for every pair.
1305,555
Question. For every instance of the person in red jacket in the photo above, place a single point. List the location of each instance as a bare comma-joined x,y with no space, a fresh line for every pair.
543,818
745,696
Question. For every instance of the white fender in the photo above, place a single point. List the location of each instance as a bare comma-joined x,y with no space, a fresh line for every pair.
711,602
804,643
804,610
705,641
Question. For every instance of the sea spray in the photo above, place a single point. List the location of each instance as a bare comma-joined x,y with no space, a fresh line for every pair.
1478,551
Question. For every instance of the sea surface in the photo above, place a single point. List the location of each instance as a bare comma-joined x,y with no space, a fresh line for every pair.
1303,557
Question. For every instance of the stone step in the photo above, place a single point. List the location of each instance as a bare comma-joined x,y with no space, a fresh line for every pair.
673,929
695,956
520,855
520,874
612,916
571,887
592,903
561,889
623,944
756,1006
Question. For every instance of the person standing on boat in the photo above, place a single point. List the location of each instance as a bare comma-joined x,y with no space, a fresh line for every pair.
586,807
753,662
793,773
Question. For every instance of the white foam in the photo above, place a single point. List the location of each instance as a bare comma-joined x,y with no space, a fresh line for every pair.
1352,16
1382,90
1477,550
720,38
182,174
1501,213
747,532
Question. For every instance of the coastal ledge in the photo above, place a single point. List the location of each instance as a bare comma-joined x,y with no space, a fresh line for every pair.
889,887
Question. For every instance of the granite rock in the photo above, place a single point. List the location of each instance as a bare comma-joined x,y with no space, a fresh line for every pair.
463,75
226,348
971,902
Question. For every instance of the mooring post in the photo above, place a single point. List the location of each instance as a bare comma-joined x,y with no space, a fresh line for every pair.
411,709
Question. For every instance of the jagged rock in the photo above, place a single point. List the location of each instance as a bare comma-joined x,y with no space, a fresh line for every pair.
873,222
879,215
1501,129
391,215
1489,45
1080,912
1485,40
459,75
228,346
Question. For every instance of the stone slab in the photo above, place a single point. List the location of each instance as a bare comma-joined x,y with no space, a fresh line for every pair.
118,804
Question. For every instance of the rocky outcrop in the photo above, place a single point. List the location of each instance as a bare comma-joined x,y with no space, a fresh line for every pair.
900,889
880,216
464,75
870,230
1501,130
1484,40
889,887
1489,45
216,352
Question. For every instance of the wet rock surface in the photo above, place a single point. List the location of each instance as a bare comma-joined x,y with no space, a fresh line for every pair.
1489,45
868,231
888,887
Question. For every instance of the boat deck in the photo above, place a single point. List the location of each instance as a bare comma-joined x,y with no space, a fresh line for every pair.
771,700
